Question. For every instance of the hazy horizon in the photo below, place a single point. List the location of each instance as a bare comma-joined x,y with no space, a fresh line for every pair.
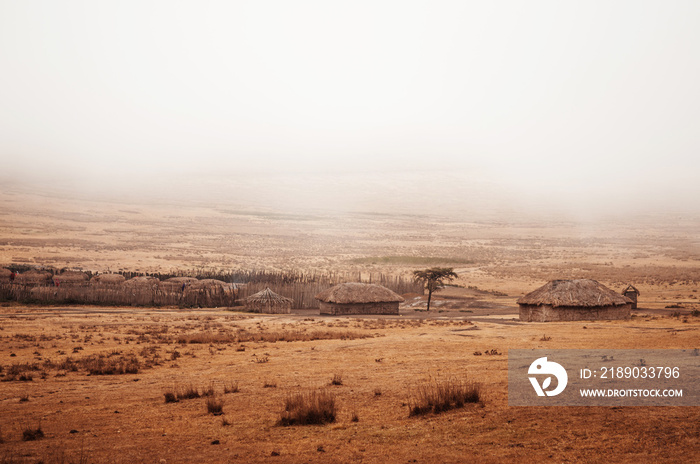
589,108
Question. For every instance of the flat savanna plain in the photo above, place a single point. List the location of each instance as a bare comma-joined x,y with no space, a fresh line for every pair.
381,360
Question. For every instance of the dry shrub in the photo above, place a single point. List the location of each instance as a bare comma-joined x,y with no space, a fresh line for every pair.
315,407
337,379
170,397
30,434
215,406
104,365
439,396
207,338
231,387
19,371
209,390
187,393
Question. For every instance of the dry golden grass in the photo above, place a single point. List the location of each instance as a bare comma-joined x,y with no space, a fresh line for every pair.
118,419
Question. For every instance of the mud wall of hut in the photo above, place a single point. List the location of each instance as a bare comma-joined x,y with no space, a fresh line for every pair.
359,308
546,313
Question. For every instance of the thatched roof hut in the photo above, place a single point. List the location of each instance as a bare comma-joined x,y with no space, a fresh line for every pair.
142,282
71,278
359,298
34,277
108,279
209,283
572,300
267,301
177,283
5,274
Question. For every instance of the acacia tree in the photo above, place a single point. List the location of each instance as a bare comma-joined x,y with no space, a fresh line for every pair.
433,279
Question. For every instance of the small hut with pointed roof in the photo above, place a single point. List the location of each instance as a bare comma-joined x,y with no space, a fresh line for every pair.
632,293
267,301
573,300
359,298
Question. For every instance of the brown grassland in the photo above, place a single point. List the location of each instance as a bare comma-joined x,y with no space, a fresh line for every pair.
111,384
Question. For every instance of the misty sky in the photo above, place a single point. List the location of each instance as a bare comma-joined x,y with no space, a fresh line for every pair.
590,102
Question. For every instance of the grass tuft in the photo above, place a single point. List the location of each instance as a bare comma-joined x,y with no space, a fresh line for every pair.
437,397
231,387
187,393
315,407
215,405
31,434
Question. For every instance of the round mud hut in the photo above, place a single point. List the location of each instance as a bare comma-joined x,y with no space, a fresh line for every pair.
34,278
267,301
5,275
142,282
71,279
573,300
112,280
358,298
177,283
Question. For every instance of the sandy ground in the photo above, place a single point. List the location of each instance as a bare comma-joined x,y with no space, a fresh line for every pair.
123,418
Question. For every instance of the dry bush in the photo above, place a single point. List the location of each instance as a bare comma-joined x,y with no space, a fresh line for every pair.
337,379
215,406
208,390
315,407
30,434
170,397
20,371
231,387
207,338
104,365
188,392
440,396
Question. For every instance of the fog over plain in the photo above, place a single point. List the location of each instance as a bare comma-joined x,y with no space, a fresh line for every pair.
584,108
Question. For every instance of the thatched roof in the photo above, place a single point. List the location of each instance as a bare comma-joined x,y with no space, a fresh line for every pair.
72,277
34,277
267,296
583,293
5,273
355,292
207,283
142,281
181,280
631,288
108,278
